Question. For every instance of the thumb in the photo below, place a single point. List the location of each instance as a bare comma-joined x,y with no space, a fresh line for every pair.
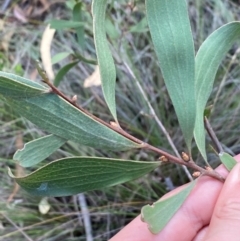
225,221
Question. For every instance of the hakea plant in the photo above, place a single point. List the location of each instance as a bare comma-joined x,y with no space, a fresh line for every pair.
189,81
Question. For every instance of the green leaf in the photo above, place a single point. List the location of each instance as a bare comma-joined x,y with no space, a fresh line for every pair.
18,87
140,27
111,29
82,58
159,214
73,175
57,116
172,39
70,4
59,57
65,24
104,56
63,71
38,150
77,17
228,161
208,59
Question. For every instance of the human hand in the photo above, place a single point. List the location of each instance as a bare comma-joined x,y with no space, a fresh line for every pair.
211,212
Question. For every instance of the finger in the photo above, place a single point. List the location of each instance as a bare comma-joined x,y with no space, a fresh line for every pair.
225,221
201,234
194,214
190,217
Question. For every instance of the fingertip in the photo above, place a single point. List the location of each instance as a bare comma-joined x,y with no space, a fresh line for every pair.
226,216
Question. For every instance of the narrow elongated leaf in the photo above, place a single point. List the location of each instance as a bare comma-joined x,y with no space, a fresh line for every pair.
112,32
18,87
104,56
88,61
60,56
208,59
77,16
65,24
57,116
228,161
63,71
159,214
172,39
69,176
38,150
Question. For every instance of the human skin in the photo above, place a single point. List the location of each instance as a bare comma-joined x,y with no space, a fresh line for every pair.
210,213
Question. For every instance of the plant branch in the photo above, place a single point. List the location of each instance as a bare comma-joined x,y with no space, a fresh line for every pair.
190,164
174,159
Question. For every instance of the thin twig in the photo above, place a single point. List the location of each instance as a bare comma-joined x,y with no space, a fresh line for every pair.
160,124
86,216
15,226
5,5
213,136
190,164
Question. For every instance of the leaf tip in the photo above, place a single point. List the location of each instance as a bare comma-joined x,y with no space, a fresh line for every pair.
10,172
17,153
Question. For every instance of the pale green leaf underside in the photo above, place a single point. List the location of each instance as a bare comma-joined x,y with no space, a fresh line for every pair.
159,214
171,34
53,114
104,56
18,87
38,150
208,59
227,160
80,174
57,116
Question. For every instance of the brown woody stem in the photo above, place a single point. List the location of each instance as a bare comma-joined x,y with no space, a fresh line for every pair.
190,164
171,158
